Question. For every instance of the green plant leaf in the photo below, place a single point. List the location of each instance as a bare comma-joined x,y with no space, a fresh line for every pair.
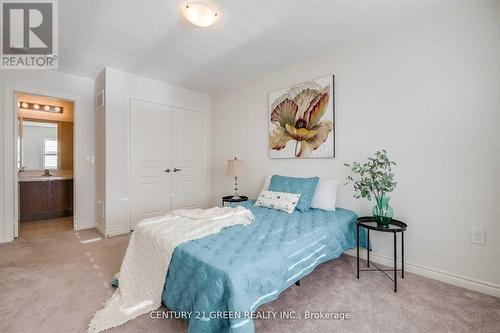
374,177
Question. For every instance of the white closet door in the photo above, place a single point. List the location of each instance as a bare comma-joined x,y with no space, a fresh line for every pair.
188,159
150,157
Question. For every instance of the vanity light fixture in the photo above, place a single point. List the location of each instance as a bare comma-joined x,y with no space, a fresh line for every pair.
201,13
44,108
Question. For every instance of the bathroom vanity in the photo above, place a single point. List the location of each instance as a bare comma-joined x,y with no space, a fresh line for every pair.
45,197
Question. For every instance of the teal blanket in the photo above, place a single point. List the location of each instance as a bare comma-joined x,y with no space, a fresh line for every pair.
219,280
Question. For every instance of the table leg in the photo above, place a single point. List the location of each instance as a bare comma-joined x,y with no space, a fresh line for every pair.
368,249
395,266
357,250
402,255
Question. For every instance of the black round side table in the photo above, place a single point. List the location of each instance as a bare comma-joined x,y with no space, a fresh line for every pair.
369,223
229,199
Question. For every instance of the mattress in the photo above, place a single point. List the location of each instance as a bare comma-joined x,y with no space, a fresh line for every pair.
216,282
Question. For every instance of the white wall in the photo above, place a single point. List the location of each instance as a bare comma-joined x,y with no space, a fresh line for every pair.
428,92
121,87
61,85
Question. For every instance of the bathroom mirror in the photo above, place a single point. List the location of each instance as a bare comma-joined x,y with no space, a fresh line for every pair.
39,145
44,145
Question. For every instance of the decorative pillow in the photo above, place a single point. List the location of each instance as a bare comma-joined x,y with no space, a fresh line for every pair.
325,196
278,200
303,186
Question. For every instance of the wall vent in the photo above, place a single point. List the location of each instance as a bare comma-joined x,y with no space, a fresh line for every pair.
99,100
100,208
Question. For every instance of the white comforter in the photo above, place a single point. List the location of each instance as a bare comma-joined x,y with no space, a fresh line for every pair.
144,268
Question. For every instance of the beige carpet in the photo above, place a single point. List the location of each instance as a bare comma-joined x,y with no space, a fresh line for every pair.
55,281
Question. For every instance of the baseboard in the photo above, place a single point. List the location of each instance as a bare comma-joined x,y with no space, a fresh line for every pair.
436,274
117,232
83,226
112,232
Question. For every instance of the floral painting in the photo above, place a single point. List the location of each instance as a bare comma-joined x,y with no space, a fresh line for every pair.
302,120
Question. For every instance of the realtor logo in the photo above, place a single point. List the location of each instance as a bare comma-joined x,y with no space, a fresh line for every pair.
29,34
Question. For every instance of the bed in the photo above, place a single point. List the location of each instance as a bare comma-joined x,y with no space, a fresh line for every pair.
220,279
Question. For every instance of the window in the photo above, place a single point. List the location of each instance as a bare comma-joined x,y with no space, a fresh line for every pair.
50,153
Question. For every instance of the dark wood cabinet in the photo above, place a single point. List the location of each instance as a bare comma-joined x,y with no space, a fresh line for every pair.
32,198
40,200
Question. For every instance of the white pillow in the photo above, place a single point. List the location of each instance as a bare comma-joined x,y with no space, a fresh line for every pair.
278,200
325,196
267,182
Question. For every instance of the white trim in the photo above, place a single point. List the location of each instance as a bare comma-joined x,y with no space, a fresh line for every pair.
10,190
117,231
10,168
85,225
435,274
128,165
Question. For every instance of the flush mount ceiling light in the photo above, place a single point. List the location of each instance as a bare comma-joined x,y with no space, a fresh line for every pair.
200,13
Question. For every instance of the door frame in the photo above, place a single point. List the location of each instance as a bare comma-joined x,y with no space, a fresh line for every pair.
11,199
128,171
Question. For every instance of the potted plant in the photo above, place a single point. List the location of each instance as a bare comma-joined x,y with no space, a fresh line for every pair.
374,178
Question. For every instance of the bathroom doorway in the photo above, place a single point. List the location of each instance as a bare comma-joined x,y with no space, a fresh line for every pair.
45,165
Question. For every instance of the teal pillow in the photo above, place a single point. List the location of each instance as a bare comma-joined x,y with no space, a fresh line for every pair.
303,186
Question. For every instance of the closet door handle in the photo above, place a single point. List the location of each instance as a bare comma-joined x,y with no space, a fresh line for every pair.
175,169
167,170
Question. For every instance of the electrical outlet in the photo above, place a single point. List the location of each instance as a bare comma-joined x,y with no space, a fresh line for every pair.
478,236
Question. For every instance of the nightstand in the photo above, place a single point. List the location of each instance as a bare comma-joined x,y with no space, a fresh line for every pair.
369,223
229,199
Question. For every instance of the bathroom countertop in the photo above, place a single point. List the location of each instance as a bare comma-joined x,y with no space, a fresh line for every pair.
32,176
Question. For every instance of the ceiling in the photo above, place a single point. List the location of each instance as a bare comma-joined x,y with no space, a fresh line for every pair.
252,37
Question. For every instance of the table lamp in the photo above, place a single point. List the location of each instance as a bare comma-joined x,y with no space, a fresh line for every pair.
235,168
